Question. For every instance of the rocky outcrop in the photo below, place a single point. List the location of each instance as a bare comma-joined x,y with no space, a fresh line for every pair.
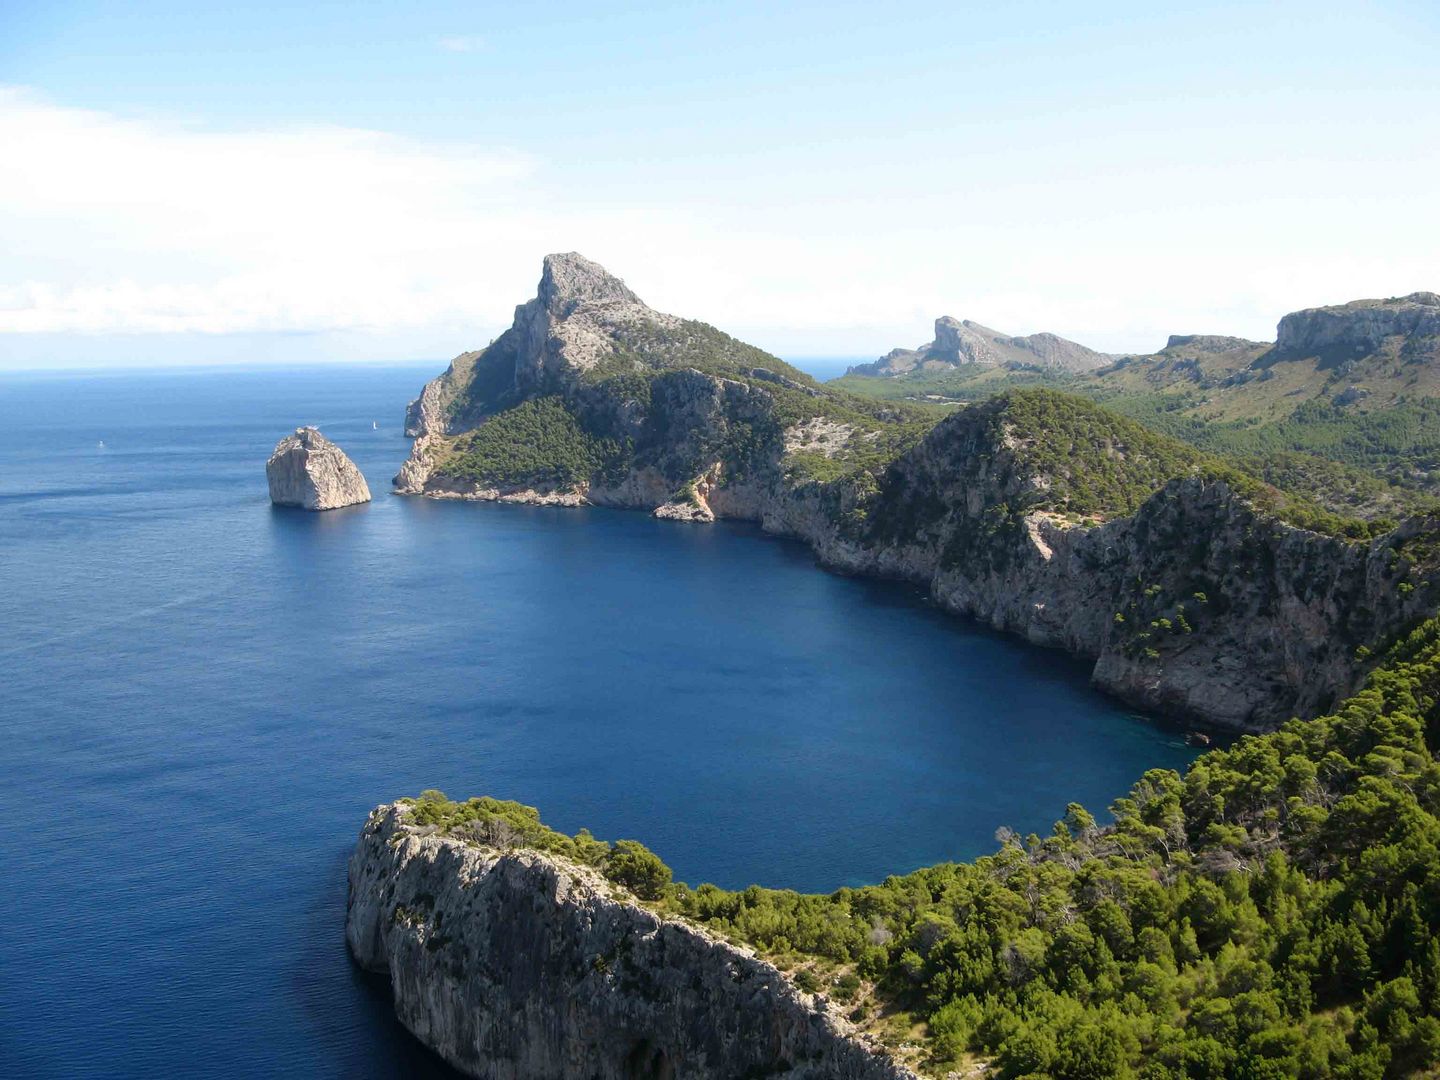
308,470
1210,343
1357,329
569,327
960,341
520,965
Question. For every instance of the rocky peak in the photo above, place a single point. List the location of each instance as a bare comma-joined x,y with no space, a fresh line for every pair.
569,277
963,341
960,341
1358,328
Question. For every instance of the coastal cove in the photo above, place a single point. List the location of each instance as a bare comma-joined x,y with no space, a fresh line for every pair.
205,696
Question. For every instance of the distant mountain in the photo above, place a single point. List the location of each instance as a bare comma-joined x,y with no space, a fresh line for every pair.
961,342
1354,384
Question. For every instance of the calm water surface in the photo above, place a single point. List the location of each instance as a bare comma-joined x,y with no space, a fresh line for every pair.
202,697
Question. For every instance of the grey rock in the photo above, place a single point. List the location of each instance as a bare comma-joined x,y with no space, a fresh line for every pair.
308,470
521,965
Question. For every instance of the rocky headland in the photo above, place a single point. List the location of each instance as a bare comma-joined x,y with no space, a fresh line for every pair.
309,471
514,963
1198,591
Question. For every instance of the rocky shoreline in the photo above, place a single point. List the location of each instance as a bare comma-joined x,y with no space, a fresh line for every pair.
1054,596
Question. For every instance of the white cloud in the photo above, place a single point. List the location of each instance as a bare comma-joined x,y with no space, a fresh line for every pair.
114,225
462,43
119,225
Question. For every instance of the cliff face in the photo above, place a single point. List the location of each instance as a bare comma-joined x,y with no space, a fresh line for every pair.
1033,512
1357,329
308,470
517,964
1197,605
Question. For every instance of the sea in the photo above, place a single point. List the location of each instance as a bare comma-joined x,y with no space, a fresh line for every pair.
202,696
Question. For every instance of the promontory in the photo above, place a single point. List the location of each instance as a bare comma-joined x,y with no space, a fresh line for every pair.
1206,586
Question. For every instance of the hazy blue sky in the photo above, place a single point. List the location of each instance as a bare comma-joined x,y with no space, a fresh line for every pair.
273,182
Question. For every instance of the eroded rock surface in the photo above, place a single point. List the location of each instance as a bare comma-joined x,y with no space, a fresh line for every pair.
1360,327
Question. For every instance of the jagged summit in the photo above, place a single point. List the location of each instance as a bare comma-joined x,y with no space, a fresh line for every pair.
569,276
960,342
582,324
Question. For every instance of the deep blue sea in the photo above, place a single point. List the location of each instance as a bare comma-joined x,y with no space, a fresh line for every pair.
203,696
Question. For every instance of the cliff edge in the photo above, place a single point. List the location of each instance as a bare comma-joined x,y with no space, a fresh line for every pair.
519,964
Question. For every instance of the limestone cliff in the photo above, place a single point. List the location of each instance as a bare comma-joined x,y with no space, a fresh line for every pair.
1036,512
1361,327
522,965
308,470
1198,604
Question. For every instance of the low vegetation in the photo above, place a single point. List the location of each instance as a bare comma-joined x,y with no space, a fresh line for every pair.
1096,464
1275,912
538,442
502,823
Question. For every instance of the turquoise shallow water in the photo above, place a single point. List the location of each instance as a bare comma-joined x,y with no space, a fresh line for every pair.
203,696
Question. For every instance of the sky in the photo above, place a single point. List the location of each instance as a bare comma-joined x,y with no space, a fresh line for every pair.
290,183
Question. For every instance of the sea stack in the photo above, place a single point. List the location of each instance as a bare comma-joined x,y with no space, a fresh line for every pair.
309,471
